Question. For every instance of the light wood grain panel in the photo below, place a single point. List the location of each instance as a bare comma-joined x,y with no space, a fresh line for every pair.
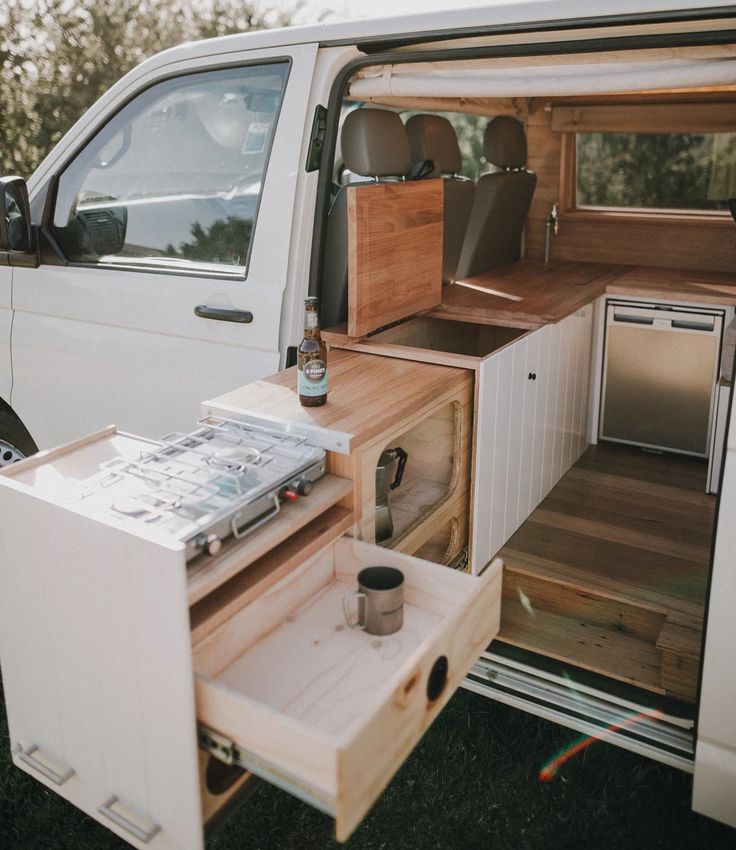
404,717
312,717
672,241
645,118
394,252
367,397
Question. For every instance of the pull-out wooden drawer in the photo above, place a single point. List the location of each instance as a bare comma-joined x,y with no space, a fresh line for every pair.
326,711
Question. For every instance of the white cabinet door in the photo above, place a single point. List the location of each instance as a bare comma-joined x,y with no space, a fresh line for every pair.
97,669
530,429
178,193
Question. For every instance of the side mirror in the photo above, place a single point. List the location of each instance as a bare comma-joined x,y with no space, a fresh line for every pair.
16,233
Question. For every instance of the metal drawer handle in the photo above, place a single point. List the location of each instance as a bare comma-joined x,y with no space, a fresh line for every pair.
144,835
26,756
245,530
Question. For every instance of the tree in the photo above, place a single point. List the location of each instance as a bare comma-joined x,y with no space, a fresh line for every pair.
57,58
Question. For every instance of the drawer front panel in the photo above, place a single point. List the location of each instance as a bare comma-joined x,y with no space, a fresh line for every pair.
330,712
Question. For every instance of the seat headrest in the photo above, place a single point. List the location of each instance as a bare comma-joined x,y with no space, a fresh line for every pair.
375,143
504,142
433,137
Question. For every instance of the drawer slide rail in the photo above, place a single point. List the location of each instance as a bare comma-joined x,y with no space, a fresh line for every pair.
227,751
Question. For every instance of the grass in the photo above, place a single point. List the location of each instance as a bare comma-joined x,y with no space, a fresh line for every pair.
471,784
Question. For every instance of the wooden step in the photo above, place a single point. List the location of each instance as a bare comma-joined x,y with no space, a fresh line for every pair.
592,647
638,643
680,646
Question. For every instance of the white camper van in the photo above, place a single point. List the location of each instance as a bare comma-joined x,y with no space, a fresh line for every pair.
517,223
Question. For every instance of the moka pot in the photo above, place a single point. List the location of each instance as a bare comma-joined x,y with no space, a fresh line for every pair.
389,472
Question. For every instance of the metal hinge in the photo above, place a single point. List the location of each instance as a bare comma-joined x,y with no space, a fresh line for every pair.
317,138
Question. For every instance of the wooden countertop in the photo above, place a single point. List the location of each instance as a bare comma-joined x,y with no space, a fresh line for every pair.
540,293
546,293
367,396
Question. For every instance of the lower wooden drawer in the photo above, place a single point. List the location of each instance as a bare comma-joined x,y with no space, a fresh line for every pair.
328,712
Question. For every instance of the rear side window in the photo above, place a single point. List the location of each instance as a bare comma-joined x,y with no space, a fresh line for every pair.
655,171
174,179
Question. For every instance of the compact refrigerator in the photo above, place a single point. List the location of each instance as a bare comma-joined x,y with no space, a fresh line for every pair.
660,371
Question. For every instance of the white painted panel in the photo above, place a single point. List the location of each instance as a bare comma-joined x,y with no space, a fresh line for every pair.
714,784
96,657
562,388
573,373
501,449
528,426
586,356
480,549
519,381
550,421
544,336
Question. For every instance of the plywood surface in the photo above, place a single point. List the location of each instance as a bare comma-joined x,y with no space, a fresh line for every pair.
394,252
333,712
622,544
367,396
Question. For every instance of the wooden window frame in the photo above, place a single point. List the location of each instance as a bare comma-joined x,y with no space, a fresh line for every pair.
568,197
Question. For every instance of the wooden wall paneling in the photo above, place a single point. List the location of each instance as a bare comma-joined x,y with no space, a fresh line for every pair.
644,118
394,252
672,241
528,429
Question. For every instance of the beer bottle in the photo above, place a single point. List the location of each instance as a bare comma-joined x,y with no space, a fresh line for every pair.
312,360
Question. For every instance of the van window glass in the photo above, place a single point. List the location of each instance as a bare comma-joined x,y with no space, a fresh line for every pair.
174,179
661,171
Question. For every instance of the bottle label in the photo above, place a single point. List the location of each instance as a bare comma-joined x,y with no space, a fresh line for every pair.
312,319
313,378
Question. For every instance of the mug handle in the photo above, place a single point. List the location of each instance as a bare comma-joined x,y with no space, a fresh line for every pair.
346,610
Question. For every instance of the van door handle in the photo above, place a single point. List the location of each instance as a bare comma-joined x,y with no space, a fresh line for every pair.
223,314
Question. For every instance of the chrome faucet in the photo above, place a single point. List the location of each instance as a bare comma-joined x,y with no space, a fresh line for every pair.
551,225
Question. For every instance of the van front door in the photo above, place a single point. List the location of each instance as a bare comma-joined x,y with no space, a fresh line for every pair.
714,785
168,246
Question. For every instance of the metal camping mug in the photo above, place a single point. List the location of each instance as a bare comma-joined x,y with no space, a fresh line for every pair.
380,597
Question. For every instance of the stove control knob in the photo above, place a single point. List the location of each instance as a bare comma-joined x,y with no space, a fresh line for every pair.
303,486
210,544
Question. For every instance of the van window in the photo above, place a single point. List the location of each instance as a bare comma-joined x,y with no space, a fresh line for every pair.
174,179
655,171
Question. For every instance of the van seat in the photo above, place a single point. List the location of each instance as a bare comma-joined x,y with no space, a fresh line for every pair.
501,203
433,137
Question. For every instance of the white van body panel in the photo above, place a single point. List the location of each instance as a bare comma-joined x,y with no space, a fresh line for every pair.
94,345
714,787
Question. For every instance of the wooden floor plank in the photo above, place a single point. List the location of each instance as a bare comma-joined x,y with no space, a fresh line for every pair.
622,528
594,648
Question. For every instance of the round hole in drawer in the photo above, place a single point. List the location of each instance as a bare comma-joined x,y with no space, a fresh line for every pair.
437,678
220,777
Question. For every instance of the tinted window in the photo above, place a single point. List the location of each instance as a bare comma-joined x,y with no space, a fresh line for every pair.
677,171
174,179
